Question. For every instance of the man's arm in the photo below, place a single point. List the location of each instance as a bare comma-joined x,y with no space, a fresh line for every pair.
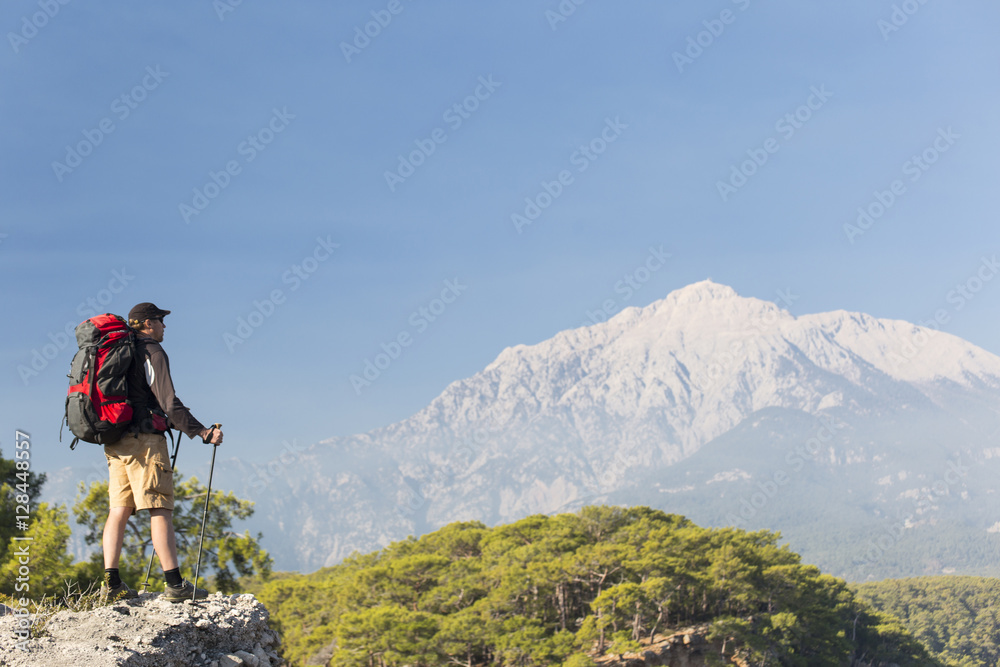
157,368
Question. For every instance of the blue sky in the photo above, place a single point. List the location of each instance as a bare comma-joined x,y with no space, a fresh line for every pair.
208,89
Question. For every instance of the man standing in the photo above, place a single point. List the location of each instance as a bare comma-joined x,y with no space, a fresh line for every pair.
139,467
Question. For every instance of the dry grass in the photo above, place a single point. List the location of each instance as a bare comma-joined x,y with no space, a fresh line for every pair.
72,599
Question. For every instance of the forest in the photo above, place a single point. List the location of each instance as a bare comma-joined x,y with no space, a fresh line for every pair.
568,589
956,618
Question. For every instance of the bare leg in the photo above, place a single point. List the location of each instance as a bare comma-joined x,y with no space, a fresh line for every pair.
162,527
114,535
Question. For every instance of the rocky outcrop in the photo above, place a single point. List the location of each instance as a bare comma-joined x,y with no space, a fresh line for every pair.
222,631
685,648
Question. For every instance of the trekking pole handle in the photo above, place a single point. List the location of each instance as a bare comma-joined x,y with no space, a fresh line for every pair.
212,428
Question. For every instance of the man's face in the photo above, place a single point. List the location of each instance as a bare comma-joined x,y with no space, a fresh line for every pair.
154,328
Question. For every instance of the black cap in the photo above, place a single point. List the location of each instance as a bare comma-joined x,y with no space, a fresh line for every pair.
146,311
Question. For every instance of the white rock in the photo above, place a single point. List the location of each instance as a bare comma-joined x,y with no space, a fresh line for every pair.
167,635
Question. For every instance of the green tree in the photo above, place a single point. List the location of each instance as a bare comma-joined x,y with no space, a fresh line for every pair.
564,590
619,607
579,660
957,618
386,636
524,642
15,479
226,554
461,638
43,555
48,565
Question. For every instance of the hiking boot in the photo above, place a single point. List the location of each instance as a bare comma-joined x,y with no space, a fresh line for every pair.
183,592
119,592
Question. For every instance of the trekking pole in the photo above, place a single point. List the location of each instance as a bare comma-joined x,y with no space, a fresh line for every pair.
173,468
204,518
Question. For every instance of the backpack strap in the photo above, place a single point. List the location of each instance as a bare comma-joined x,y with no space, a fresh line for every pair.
64,421
177,446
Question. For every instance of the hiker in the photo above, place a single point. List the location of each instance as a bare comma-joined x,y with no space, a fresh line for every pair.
139,466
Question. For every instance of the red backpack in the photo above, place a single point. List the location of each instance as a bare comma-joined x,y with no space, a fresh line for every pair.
97,406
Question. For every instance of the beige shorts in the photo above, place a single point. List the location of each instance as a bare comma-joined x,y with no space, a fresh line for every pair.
139,472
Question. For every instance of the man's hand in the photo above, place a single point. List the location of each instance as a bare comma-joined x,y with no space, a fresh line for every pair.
212,435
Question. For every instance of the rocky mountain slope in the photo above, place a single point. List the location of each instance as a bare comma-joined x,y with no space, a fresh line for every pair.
222,631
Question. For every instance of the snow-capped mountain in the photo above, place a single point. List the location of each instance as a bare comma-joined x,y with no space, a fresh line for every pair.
665,379
601,413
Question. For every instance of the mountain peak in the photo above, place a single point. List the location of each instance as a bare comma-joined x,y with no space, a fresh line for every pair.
705,290
703,358
705,308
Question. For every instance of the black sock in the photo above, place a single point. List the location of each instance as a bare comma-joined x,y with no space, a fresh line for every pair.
173,576
111,577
